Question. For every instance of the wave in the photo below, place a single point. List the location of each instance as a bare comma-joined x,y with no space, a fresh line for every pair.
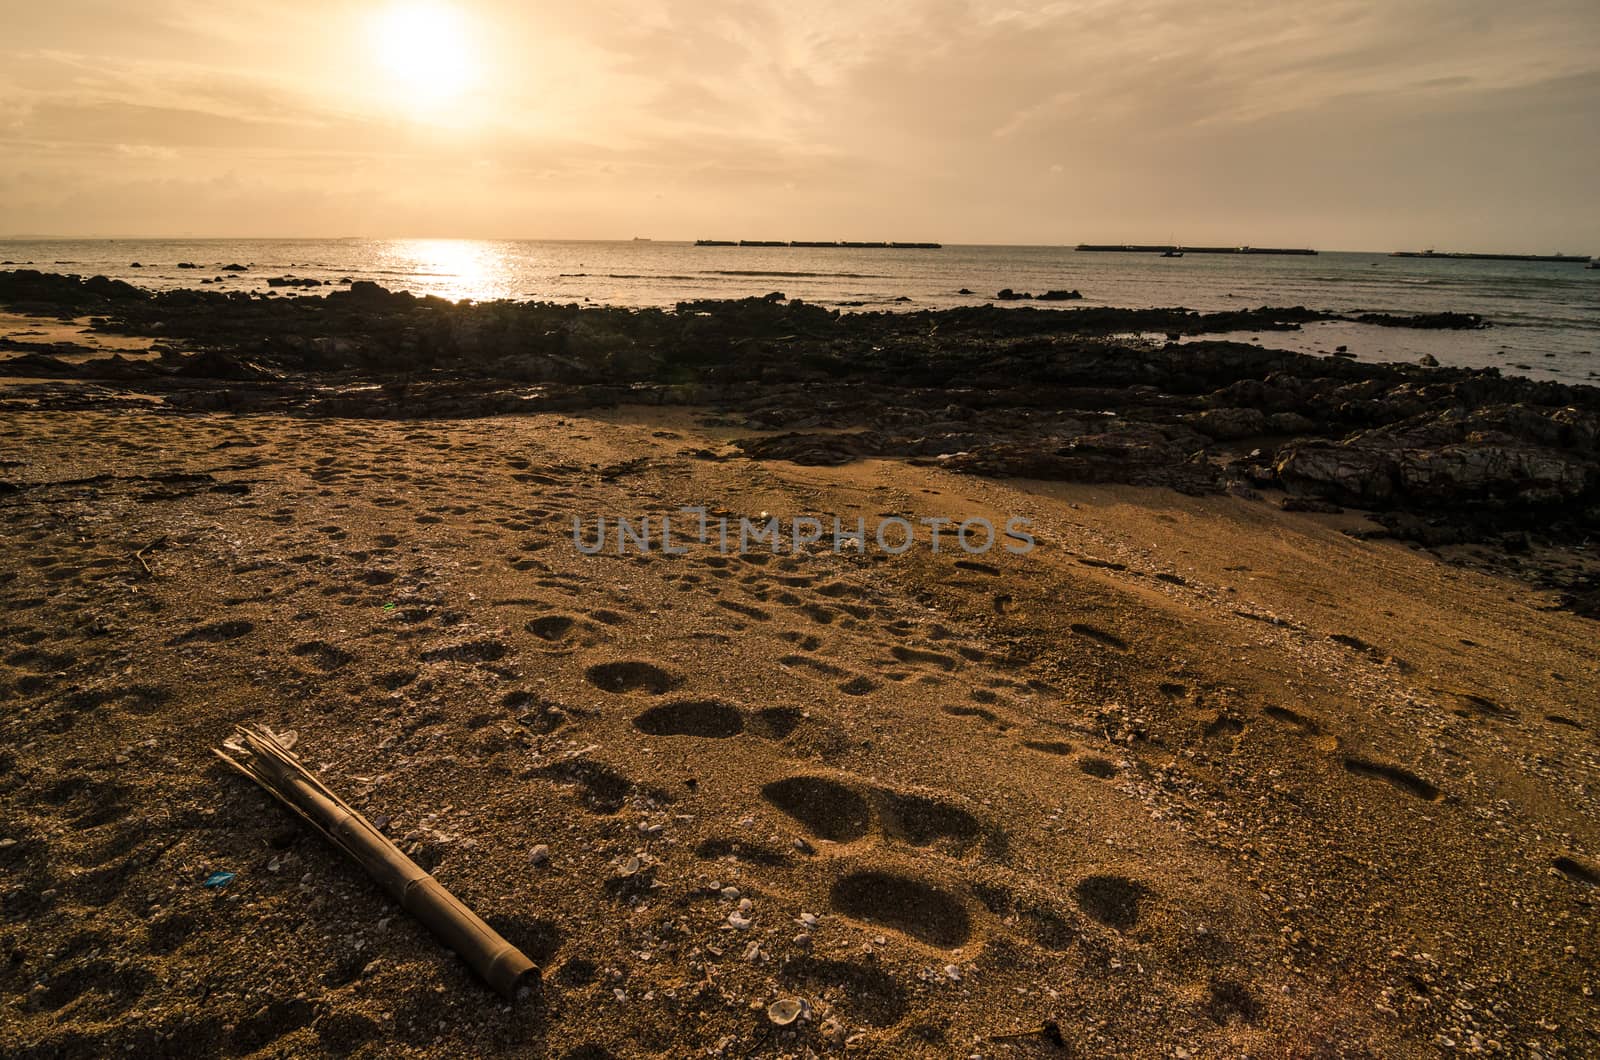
828,275
621,276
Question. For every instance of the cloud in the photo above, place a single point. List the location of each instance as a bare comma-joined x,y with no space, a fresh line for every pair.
1335,121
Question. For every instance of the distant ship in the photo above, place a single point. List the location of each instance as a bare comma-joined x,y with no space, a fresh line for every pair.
1167,250
1436,255
876,245
643,239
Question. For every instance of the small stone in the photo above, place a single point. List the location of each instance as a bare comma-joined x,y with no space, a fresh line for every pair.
540,854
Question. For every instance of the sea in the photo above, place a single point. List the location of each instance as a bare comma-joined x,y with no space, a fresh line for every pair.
1545,317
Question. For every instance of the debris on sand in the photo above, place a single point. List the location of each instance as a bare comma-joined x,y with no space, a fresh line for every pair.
261,756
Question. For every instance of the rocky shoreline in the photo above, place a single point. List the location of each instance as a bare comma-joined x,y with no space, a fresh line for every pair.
1443,456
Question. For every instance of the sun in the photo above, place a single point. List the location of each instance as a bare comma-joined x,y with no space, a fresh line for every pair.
426,50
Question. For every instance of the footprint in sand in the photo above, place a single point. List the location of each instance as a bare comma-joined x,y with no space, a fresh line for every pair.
553,628
1577,871
918,657
632,676
1403,779
1112,900
322,655
472,651
905,904
698,717
1472,704
1099,636
1097,767
983,714
827,808
1303,726
841,812
601,789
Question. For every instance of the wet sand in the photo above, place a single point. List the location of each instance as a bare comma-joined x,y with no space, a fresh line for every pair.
1196,777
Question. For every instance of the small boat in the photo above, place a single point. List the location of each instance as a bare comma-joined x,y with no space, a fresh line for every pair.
1594,263
1172,253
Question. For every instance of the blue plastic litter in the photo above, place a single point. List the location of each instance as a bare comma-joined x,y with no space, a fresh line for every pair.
219,879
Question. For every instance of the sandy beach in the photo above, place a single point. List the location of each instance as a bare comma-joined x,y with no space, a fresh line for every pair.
1221,767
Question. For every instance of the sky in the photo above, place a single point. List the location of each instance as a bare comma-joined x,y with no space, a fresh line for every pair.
1337,124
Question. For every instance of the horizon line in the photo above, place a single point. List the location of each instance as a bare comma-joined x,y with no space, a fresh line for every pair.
40,238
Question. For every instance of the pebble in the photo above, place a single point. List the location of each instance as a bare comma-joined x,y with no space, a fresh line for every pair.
540,854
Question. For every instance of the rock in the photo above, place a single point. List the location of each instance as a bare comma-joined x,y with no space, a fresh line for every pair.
1228,424
1138,456
1430,321
1008,295
213,364
1059,296
1290,423
540,854
40,365
1490,457
1339,472
236,267
1428,360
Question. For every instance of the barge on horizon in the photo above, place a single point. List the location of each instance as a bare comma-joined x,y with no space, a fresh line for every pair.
852,245
1562,259
1173,250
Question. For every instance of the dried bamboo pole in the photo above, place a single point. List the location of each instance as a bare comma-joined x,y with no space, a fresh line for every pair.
262,757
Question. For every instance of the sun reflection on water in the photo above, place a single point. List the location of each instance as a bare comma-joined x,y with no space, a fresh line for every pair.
453,268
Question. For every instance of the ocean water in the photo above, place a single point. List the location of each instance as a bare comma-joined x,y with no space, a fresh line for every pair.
1546,316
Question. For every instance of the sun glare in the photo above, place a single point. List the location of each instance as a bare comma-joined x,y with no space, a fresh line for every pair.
426,51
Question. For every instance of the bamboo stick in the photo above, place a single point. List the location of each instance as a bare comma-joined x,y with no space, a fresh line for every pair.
262,757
